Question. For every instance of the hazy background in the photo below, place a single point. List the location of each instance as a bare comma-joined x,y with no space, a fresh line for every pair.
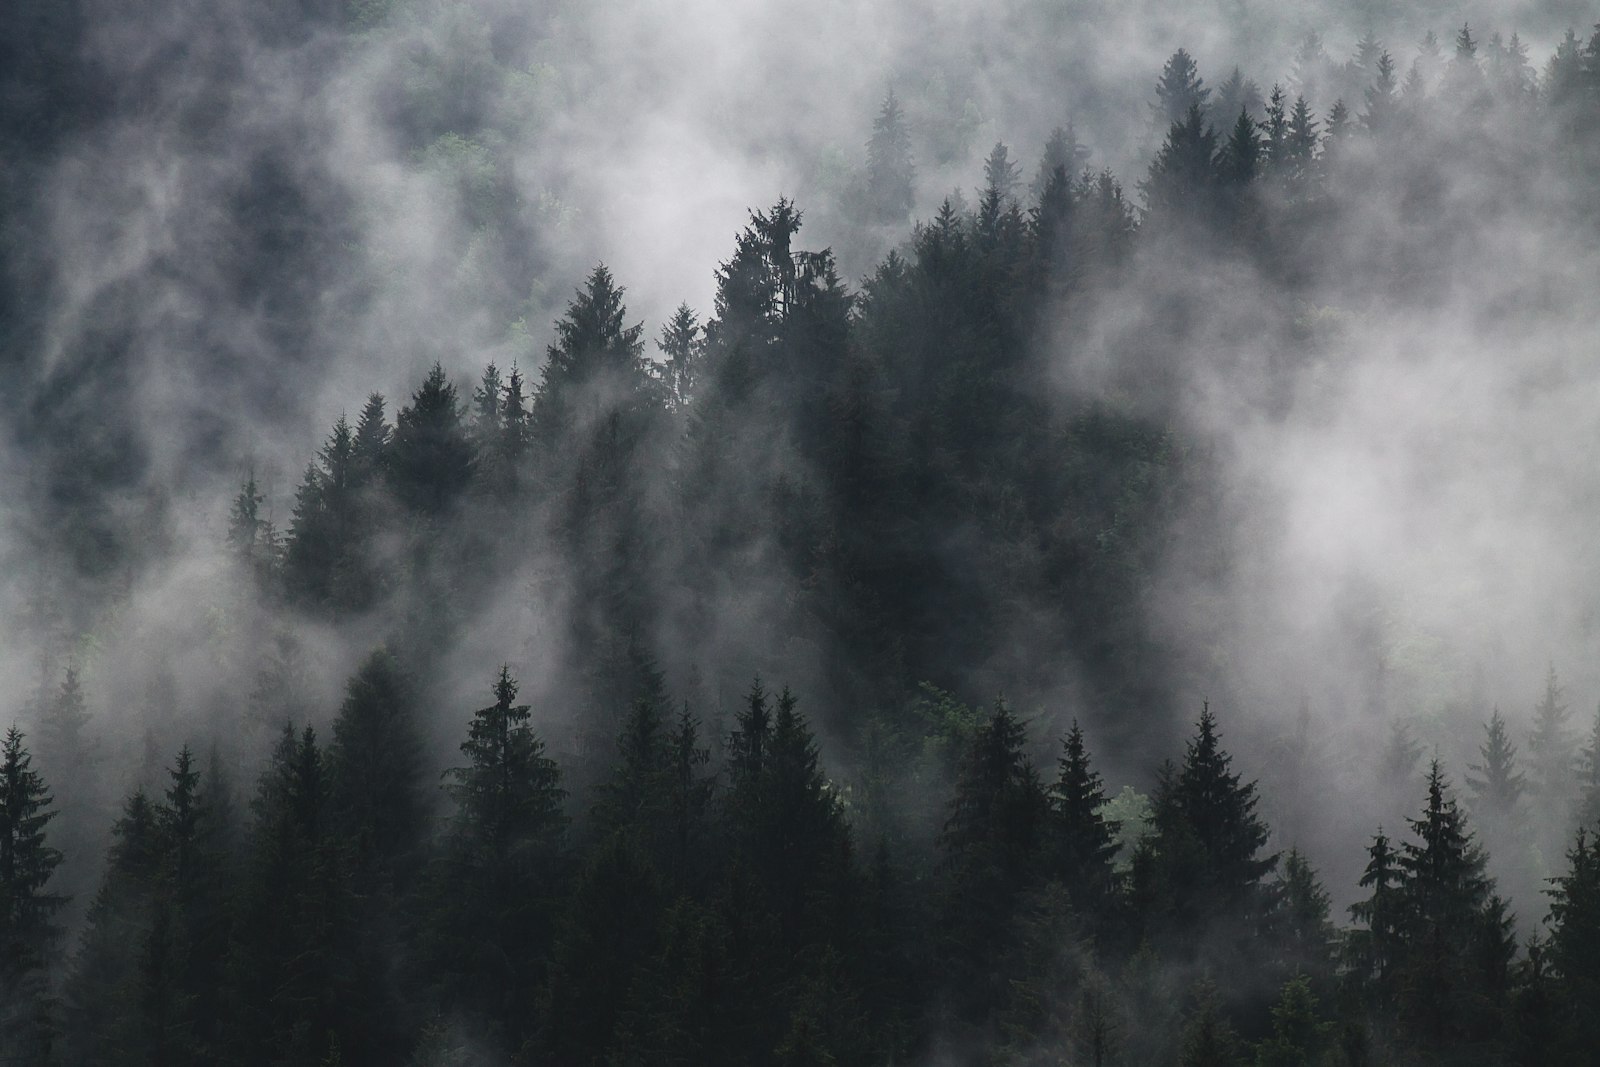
240,218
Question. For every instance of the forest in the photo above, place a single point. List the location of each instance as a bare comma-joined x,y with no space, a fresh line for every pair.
1122,599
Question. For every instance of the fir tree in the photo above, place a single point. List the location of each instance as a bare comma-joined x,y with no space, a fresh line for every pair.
1302,924
1380,97
1375,948
680,343
1183,176
1497,786
890,173
375,771
431,454
1455,944
1574,948
498,877
1179,90
1240,157
1203,864
1550,747
29,936
1300,1037
1082,841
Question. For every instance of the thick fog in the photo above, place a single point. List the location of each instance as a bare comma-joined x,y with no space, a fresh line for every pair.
253,215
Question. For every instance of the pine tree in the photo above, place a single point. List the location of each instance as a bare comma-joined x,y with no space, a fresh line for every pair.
1240,158
680,343
250,536
1236,94
1182,177
991,841
1081,840
1497,786
890,173
105,1023
1588,797
1299,1035
1375,948
1300,144
1179,90
1380,97
1203,864
1302,925
1275,132
1550,748
595,366
29,936
1209,1039
370,451
288,963
375,775
499,875
431,454
1061,152
1455,940
1574,948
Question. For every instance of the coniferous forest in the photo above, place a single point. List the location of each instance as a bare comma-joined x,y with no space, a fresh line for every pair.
1094,565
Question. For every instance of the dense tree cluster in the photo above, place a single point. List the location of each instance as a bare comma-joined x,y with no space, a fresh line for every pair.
884,495
730,909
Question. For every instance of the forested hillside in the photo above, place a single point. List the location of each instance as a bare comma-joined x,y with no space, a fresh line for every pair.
1125,597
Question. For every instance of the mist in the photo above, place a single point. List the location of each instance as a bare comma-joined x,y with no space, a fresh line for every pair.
1302,443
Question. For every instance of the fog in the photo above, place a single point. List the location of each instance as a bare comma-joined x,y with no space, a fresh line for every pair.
247,217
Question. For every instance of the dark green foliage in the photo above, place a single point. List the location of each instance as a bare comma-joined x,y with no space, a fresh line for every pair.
1203,865
992,846
1240,158
29,936
1080,840
289,961
499,872
1300,1036
144,986
1209,1039
1574,948
431,457
1182,182
1457,946
1373,949
375,775
1303,924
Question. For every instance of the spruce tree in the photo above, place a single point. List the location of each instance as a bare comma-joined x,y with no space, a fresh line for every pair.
431,453
1302,925
1454,943
497,880
375,772
680,344
1497,786
1240,157
1180,186
1179,90
1082,842
1550,749
890,173
1374,949
288,963
1203,864
29,936
1574,947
